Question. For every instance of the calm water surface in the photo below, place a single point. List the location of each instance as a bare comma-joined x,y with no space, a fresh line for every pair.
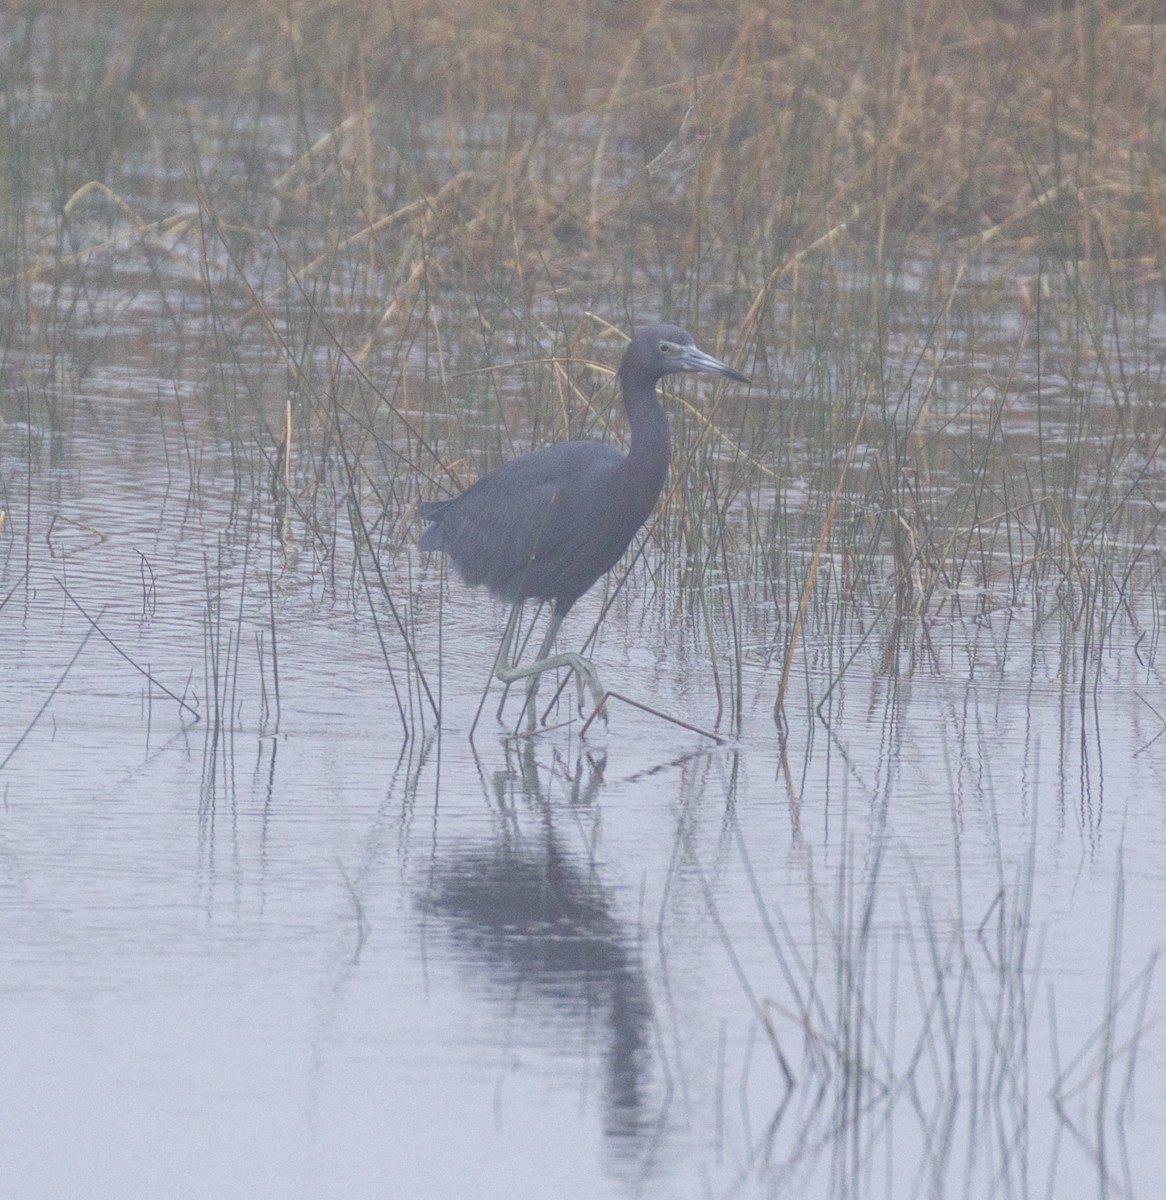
314,943
308,955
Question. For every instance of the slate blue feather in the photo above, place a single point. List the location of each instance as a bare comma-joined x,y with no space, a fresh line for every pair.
547,525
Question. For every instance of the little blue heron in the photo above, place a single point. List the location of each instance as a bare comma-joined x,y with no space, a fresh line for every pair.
547,525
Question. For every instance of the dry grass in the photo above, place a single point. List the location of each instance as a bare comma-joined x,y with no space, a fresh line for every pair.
386,241
756,126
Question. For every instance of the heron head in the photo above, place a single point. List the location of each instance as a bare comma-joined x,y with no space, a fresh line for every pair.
661,350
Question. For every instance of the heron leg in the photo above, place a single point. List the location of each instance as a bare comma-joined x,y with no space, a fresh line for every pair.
509,672
502,663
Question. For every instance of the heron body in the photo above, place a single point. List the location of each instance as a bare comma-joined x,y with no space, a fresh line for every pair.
547,525
539,506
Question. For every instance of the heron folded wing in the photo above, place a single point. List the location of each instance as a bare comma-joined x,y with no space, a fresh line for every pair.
516,530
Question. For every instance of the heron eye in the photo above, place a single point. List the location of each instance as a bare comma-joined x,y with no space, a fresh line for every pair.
667,348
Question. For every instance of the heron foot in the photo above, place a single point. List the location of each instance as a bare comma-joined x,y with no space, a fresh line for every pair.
585,674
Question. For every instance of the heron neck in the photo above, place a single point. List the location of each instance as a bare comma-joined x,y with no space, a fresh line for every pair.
646,464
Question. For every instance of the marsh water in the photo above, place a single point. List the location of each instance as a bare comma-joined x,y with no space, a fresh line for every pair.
272,923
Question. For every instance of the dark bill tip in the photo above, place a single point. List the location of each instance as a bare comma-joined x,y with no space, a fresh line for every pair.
698,360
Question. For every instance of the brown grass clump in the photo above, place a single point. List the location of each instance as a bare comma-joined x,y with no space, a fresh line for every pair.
672,127
389,235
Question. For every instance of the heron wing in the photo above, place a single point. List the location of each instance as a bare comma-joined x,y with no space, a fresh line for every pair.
519,528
